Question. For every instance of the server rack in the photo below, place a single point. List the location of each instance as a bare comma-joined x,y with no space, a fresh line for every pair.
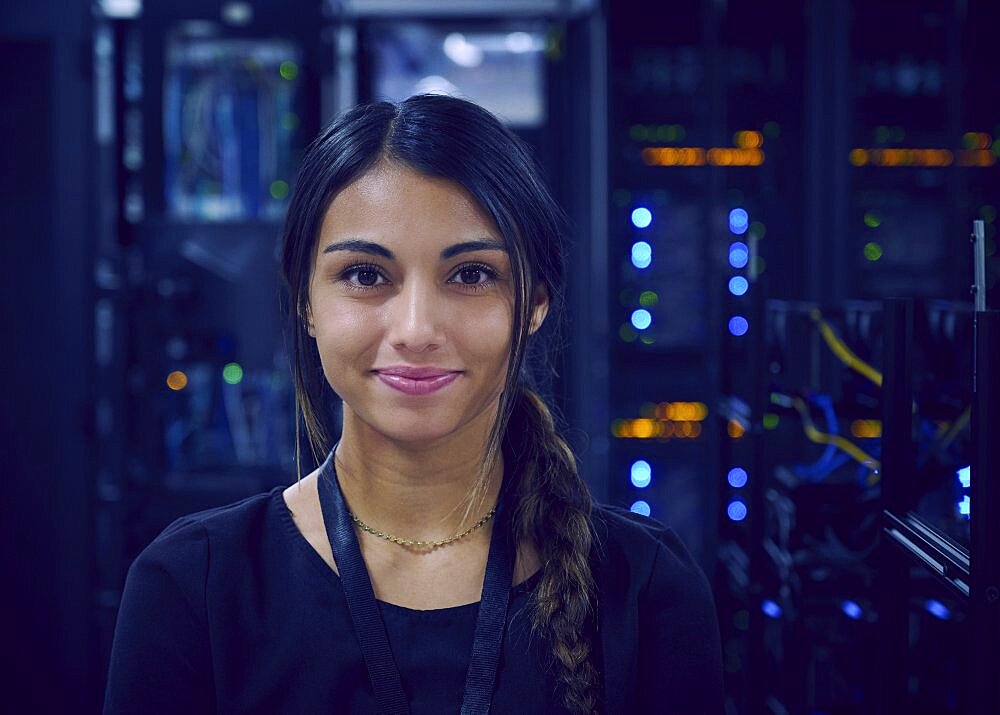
973,574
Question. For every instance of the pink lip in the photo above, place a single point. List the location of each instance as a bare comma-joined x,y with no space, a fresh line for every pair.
415,373
412,386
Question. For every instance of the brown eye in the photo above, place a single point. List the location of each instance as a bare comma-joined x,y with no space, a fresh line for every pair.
362,277
470,275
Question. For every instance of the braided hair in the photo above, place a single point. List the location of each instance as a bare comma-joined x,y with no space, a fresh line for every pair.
454,139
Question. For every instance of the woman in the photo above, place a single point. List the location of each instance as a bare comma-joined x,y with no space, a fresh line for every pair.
446,556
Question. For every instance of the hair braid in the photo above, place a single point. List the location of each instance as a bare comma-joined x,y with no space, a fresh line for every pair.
554,512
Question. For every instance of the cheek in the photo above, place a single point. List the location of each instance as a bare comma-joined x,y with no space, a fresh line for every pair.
485,336
342,333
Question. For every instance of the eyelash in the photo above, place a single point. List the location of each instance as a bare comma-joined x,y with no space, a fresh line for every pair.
491,275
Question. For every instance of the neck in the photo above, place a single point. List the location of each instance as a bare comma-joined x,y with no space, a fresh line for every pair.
417,492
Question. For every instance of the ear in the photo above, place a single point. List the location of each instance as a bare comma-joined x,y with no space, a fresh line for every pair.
540,308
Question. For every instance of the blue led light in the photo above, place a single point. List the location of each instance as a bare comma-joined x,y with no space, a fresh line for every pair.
739,221
965,476
738,285
738,325
642,254
642,474
852,610
737,510
640,507
737,477
739,254
965,507
641,217
937,609
641,319
770,608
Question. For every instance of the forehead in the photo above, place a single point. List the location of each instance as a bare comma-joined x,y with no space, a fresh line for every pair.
394,204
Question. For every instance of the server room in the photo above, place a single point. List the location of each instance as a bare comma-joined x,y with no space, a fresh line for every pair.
716,429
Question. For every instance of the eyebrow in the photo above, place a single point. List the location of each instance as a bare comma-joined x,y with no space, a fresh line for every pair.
377,249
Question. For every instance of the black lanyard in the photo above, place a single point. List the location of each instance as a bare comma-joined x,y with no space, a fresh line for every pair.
369,627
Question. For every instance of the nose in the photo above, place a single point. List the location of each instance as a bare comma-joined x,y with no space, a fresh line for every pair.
416,317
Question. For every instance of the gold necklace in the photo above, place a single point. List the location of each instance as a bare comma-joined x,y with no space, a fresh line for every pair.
413,542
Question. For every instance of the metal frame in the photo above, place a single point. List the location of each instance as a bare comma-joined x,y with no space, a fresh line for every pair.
972,575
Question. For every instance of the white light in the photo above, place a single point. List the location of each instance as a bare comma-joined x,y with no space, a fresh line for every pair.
121,8
642,474
640,507
461,51
642,217
519,42
642,254
237,13
738,285
641,319
436,84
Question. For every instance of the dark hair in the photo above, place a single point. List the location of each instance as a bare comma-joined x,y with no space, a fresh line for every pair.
454,139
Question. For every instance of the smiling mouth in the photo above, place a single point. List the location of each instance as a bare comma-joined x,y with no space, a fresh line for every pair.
417,387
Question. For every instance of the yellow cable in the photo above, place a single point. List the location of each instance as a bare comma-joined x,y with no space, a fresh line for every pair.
844,353
844,445
963,419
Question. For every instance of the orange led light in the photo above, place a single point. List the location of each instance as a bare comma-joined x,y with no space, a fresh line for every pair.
177,380
976,157
749,140
901,157
866,429
673,156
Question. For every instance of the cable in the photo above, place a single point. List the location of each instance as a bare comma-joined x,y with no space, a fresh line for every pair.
963,419
844,353
815,435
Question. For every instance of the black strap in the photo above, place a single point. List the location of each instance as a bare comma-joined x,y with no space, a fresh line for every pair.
369,627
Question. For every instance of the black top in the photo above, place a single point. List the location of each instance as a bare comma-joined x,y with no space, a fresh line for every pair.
231,610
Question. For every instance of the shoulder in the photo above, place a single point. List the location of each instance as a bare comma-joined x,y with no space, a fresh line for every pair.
664,607
183,548
645,541
652,560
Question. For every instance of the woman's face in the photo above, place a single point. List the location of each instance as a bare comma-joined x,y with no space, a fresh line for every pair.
409,271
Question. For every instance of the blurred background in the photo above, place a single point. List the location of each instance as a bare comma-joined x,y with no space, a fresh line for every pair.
772,332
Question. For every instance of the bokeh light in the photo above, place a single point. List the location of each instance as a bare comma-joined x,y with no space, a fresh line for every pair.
739,254
738,325
641,217
738,285
642,474
640,507
232,373
641,319
737,477
642,254
737,510
739,221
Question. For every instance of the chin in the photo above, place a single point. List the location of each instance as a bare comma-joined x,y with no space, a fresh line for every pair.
419,434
